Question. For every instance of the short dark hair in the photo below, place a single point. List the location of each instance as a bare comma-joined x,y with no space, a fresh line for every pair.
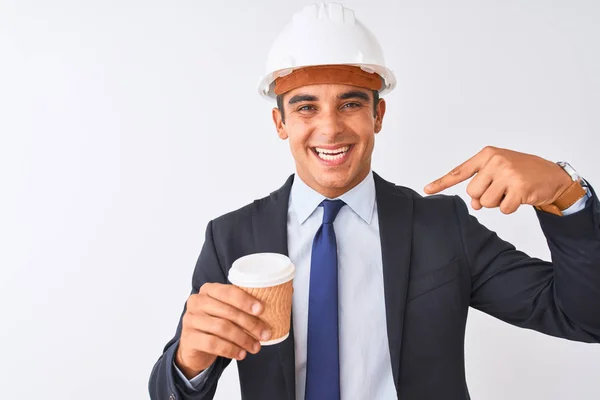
280,104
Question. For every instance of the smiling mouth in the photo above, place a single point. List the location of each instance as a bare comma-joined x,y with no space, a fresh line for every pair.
331,154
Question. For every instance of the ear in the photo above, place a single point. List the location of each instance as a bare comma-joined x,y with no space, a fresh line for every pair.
379,115
279,125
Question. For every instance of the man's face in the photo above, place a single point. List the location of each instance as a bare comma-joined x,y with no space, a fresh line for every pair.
331,129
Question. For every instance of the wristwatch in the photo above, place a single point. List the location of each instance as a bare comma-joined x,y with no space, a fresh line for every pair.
571,195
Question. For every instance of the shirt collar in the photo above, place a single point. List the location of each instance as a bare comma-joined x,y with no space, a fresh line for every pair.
361,198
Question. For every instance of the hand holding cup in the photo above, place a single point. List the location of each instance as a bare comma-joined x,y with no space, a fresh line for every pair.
221,320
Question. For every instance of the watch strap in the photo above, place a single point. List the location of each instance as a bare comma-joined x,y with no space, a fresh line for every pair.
569,197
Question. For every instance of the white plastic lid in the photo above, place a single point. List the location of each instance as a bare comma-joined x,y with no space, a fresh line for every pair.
261,270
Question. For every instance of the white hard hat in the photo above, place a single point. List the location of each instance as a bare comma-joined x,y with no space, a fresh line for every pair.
324,34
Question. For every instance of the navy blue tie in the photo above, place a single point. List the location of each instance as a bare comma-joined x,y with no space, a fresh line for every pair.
323,359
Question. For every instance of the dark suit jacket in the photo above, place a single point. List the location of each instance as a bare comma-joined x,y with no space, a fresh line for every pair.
437,261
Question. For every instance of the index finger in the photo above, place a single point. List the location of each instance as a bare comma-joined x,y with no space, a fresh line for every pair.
459,174
234,296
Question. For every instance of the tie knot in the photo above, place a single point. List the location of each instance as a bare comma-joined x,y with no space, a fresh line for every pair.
331,210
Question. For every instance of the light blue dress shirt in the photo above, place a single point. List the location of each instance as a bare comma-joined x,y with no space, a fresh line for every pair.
365,364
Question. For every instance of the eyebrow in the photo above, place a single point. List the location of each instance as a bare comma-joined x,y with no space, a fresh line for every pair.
354,94
302,97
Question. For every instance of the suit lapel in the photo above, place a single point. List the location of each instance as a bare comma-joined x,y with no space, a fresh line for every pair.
395,211
269,224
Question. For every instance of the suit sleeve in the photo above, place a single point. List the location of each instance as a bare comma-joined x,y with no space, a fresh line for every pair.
164,381
559,298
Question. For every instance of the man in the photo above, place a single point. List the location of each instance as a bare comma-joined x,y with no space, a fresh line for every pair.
406,268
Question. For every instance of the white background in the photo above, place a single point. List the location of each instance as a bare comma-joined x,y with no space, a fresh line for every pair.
127,125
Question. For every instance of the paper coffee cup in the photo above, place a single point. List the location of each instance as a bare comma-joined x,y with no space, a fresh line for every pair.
268,277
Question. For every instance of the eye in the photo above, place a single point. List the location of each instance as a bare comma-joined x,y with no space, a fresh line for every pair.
352,105
306,108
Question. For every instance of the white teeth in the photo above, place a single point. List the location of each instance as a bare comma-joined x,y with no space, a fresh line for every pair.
329,157
334,151
332,154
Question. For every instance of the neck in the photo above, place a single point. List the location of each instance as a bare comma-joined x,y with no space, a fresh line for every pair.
333,192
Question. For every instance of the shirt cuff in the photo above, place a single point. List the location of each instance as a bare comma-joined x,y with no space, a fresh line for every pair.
197,382
579,204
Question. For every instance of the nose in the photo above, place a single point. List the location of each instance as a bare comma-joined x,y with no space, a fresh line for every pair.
330,123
